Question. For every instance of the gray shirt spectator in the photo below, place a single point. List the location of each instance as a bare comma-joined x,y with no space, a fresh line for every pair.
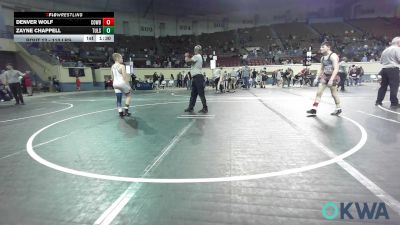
12,76
246,71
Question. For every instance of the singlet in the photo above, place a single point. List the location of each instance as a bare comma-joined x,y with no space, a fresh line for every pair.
118,78
328,65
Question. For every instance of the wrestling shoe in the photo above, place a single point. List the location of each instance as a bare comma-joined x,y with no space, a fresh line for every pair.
203,110
312,111
189,110
127,113
336,112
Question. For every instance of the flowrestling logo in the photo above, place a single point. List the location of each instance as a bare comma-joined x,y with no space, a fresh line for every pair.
351,210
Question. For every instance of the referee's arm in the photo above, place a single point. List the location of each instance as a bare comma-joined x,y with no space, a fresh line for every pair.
189,60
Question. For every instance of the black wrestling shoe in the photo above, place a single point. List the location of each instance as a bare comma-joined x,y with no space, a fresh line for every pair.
312,111
203,110
189,110
336,112
121,114
394,106
127,113
378,103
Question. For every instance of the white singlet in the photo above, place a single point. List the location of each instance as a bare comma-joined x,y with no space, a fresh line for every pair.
118,82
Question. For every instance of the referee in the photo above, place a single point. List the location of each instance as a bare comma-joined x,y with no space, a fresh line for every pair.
12,80
390,61
198,83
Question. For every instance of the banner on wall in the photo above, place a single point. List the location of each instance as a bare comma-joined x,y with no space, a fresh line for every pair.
74,72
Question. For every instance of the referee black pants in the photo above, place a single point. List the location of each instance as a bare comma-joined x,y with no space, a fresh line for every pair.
390,77
17,92
216,81
198,85
342,80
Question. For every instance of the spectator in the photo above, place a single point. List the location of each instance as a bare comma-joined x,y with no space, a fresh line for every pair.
246,76
133,81
56,84
28,83
364,59
77,83
161,77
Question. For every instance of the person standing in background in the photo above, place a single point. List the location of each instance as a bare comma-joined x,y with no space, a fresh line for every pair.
133,81
28,83
78,83
217,78
342,73
12,80
232,80
246,76
390,60
161,78
173,79
254,77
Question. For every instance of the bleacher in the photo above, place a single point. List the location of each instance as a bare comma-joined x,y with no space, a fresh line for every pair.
228,61
336,29
177,44
221,42
257,37
378,27
296,35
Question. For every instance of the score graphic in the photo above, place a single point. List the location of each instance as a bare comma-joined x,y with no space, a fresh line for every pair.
108,25
64,26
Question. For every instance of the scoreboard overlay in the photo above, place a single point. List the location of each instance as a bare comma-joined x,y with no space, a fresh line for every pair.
64,26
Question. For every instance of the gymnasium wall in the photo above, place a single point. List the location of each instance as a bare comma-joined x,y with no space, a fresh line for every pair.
7,45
